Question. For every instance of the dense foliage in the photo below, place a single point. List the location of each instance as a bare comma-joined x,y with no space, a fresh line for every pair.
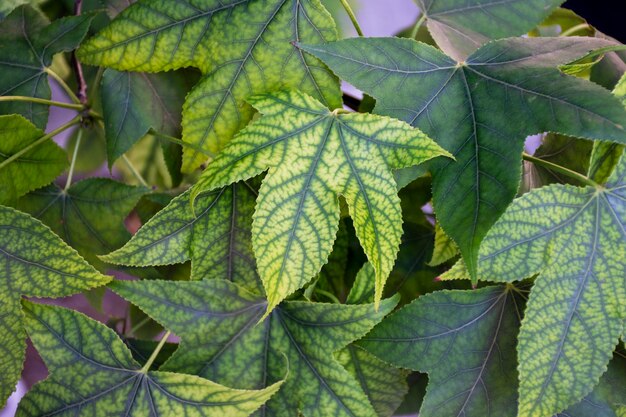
453,243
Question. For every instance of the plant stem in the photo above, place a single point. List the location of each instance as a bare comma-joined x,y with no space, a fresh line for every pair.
156,352
182,143
39,141
575,29
43,101
70,173
63,85
78,69
328,295
95,87
135,172
561,170
417,26
352,16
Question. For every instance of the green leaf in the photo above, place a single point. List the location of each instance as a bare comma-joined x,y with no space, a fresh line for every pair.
35,167
133,103
444,249
216,238
28,42
36,263
242,46
92,373
461,26
89,215
576,242
481,110
221,340
313,155
9,5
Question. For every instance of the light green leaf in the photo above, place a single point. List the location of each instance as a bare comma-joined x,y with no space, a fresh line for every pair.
35,167
9,5
133,103
445,248
89,215
36,263
575,239
221,341
92,373
28,43
461,26
314,154
242,46
216,238
481,110
465,340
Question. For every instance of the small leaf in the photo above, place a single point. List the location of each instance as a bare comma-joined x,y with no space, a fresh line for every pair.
445,248
36,263
221,340
313,155
92,373
34,167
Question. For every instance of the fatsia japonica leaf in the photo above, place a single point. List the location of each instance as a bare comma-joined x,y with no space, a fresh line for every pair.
216,237
481,110
242,46
36,263
576,242
465,340
313,155
222,340
461,26
92,373
25,166
89,215
28,43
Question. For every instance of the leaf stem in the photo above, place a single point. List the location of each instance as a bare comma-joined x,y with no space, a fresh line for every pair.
43,101
352,16
328,295
135,171
182,143
560,169
70,173
575,29
39,141
155,353
63,85
418,25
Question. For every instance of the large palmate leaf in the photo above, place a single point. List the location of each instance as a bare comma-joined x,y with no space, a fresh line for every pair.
221,340
27,45
36,263
242,46
216,238
314,154
89,215
92,373
461,26
576,242
481,110
25,166
465,340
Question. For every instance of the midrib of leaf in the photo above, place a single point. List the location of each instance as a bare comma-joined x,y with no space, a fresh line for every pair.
31,263
122,123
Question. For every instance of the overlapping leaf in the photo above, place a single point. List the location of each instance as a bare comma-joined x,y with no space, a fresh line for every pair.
36,263
221,341
94,374
481,110
89,215
243,47
216,238
576,242
461,26
25,166
27,44
314,154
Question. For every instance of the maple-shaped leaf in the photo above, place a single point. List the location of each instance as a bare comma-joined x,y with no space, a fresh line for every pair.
461,26
92,373
36,263
89,215
24,164
222,340
216,237
313,155
481,110
465,341
242,46
576,242
28,43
